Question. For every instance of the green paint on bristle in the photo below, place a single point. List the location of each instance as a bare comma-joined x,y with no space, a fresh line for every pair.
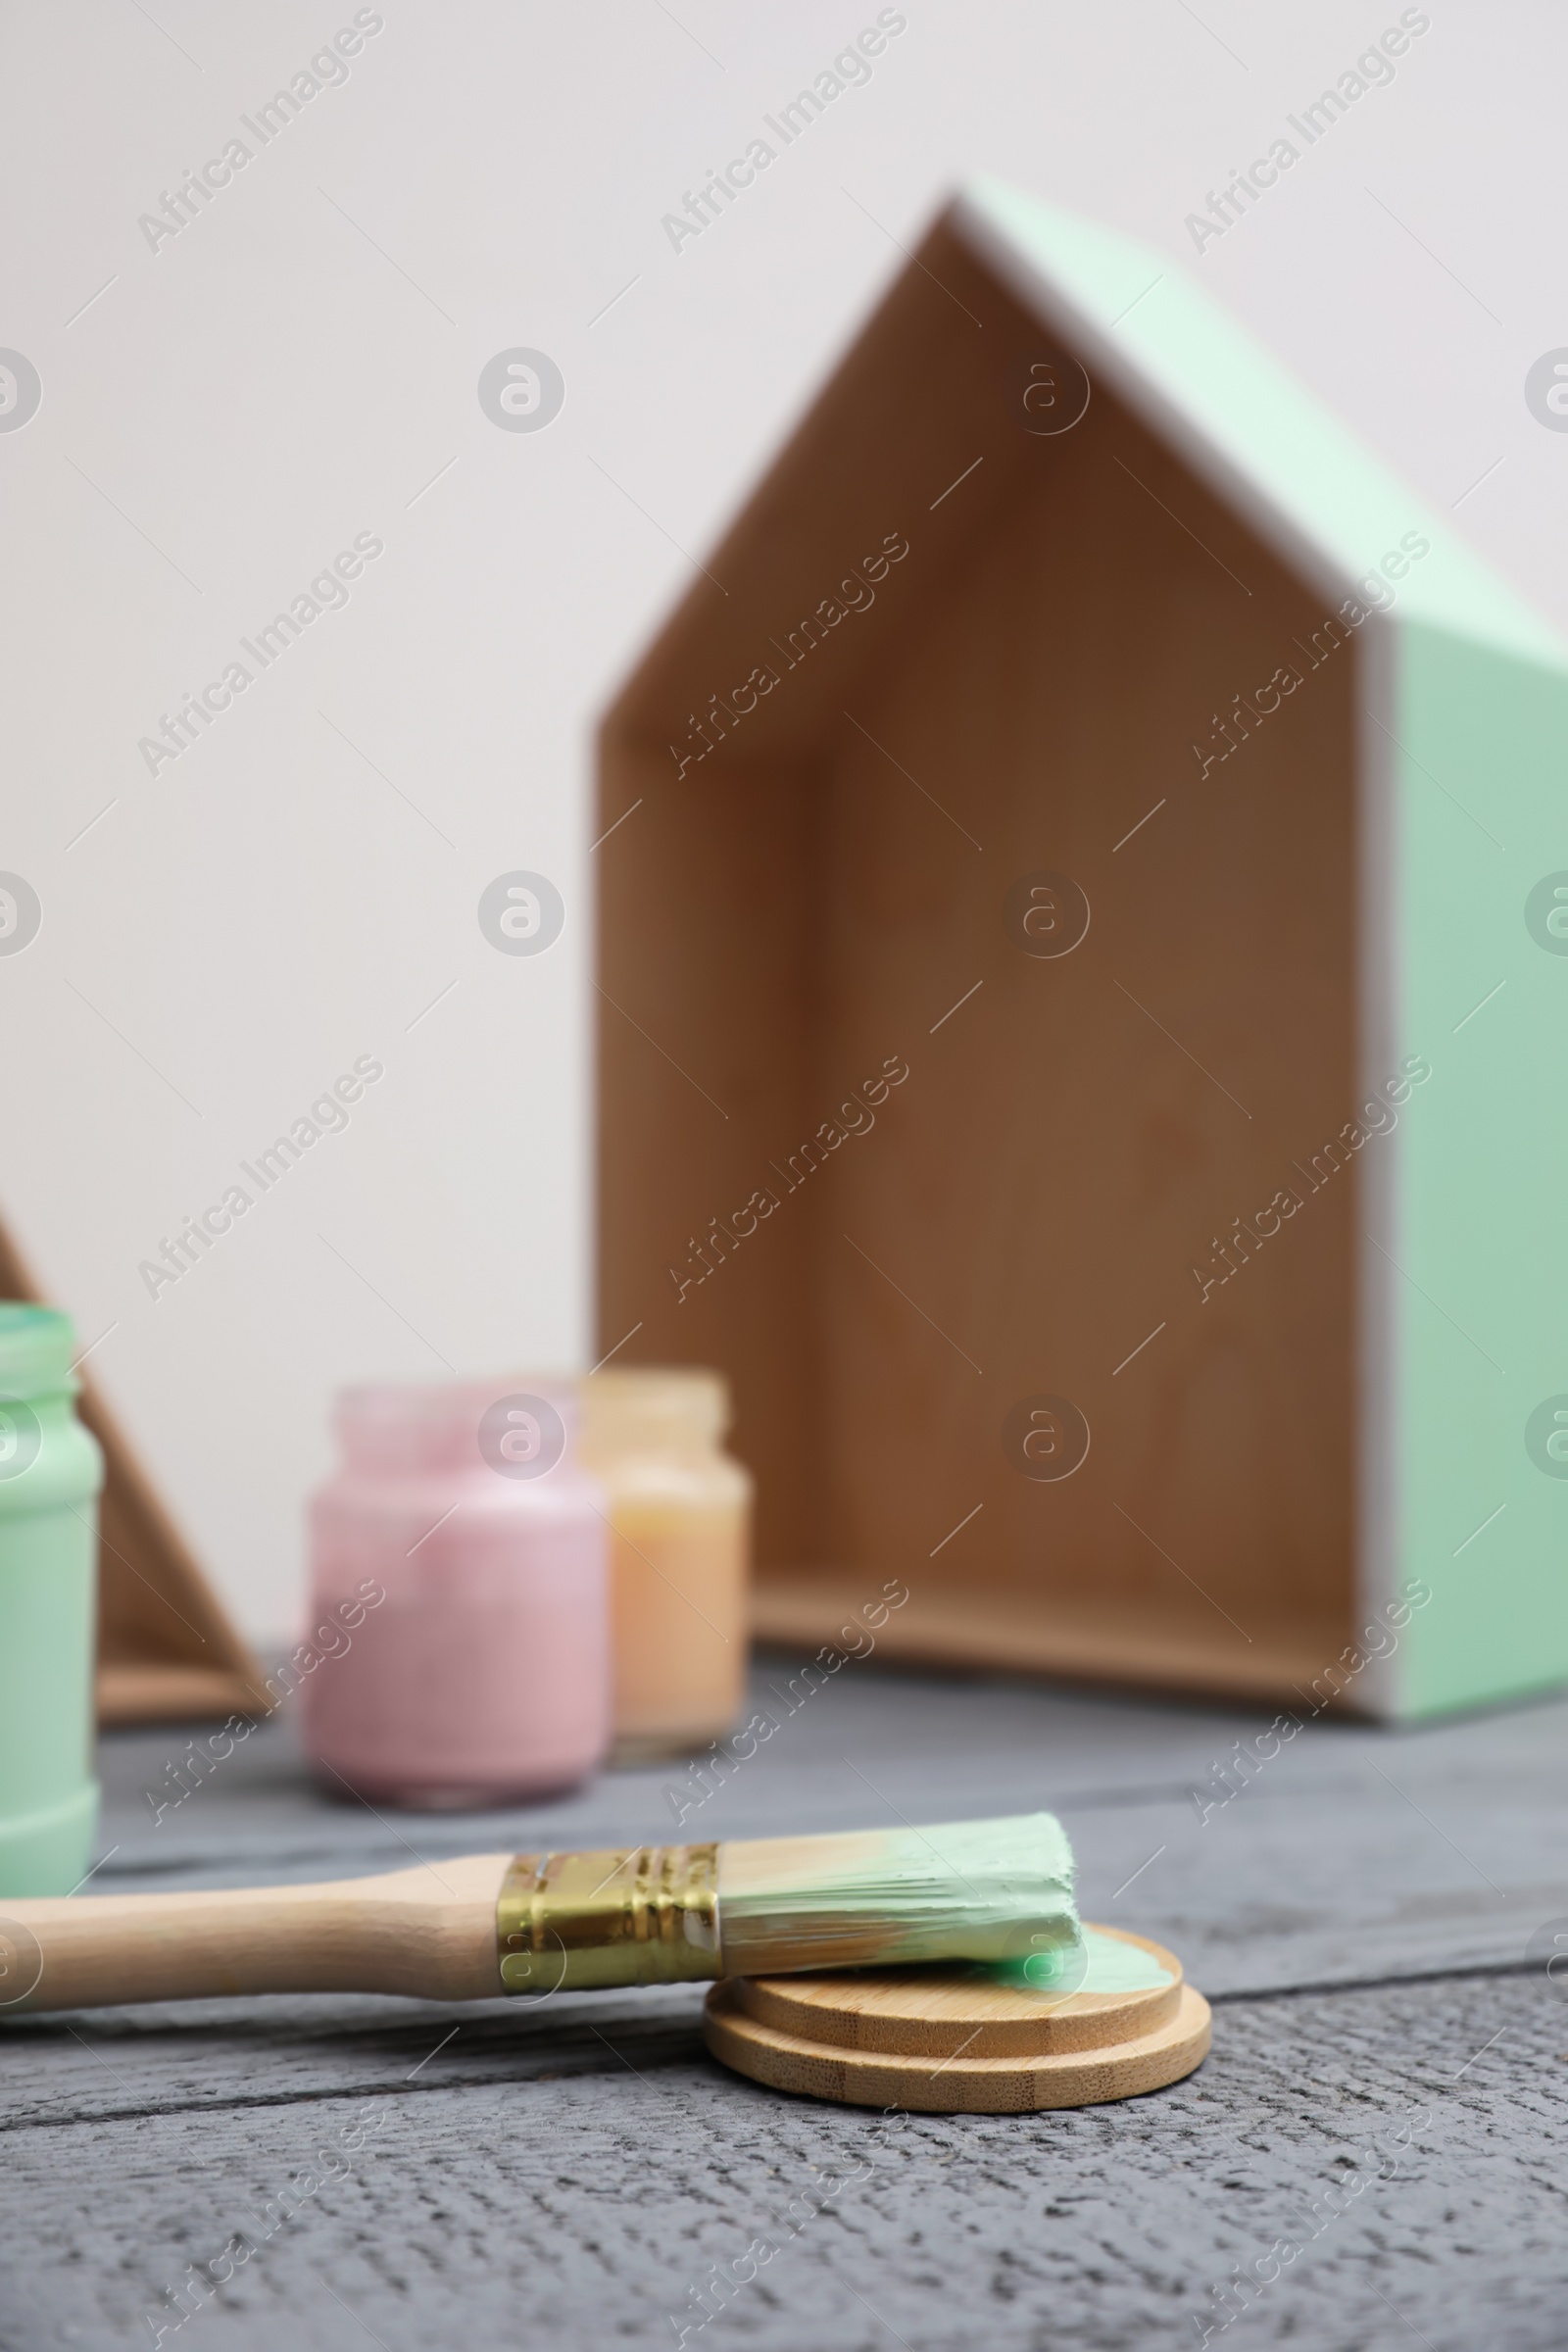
979,1891
1098,1963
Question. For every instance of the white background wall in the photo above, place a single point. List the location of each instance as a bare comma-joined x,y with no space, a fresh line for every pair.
299,365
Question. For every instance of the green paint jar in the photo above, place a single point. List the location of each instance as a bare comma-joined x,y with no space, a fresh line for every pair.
50,1472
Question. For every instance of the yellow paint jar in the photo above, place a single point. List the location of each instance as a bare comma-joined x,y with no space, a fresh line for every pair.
680,1511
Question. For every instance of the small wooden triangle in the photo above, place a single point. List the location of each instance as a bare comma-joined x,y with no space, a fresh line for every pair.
951,2040
168,1650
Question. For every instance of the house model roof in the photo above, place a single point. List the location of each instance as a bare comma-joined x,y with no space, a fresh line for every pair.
885,439
1238,416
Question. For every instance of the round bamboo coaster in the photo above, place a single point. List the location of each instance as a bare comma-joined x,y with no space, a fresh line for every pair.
949,2040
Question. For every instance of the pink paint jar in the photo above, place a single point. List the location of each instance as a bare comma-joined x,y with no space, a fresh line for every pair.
461,1555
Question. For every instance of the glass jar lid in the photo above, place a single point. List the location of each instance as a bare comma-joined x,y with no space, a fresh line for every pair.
657,1406
36,1343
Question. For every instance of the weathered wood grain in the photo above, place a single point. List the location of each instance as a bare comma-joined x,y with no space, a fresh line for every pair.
578,2171
598,2198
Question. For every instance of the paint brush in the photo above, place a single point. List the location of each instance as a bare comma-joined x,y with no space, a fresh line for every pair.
967,1891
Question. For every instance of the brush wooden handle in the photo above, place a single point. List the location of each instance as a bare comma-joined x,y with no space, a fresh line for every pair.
429,1932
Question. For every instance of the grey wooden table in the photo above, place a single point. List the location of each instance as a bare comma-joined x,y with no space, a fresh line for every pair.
1375,2153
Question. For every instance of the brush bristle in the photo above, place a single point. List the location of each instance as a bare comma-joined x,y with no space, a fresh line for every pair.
986,1891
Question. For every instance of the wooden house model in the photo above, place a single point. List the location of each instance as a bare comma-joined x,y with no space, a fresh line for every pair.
1084,976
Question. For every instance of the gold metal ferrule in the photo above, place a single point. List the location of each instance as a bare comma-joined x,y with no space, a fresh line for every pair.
639,1915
